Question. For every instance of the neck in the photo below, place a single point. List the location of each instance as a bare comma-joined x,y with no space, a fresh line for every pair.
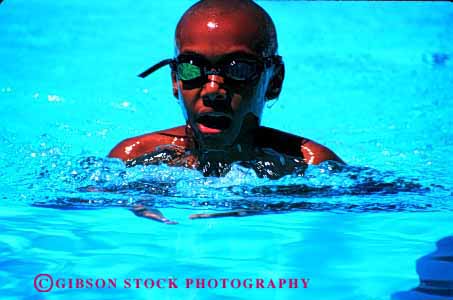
241,150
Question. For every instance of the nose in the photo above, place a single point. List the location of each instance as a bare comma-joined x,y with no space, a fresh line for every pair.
213,94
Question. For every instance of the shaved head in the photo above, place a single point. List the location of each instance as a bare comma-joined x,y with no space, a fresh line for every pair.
229,16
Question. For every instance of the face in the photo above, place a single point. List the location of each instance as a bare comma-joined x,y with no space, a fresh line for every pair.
218,110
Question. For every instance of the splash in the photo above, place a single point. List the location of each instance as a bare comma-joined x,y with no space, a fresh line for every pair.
93,182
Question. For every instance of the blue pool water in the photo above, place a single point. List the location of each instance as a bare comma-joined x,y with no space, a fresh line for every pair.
372,81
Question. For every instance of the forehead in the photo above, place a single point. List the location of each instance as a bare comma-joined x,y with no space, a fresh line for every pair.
216,35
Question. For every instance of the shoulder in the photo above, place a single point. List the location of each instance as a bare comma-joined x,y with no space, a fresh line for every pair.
134,147
287,143
315,153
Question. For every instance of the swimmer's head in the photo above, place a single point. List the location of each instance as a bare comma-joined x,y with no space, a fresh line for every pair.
241,20
226,68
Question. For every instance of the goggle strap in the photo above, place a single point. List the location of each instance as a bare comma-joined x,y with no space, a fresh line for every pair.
274,59
155,67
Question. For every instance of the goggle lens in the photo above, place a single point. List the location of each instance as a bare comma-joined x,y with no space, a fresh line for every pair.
241,71
188,71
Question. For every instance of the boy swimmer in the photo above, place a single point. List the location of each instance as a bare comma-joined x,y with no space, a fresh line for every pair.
226,68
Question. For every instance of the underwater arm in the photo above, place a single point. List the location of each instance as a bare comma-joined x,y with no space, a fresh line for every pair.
237,213
153,214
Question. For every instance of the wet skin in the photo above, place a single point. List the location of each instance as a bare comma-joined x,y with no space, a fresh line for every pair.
214,39
239,105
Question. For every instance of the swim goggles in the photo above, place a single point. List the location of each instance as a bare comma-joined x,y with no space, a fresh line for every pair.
194,69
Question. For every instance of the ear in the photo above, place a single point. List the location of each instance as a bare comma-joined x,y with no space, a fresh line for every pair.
174,82
275,84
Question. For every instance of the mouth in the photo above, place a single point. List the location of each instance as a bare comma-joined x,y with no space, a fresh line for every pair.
213,123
